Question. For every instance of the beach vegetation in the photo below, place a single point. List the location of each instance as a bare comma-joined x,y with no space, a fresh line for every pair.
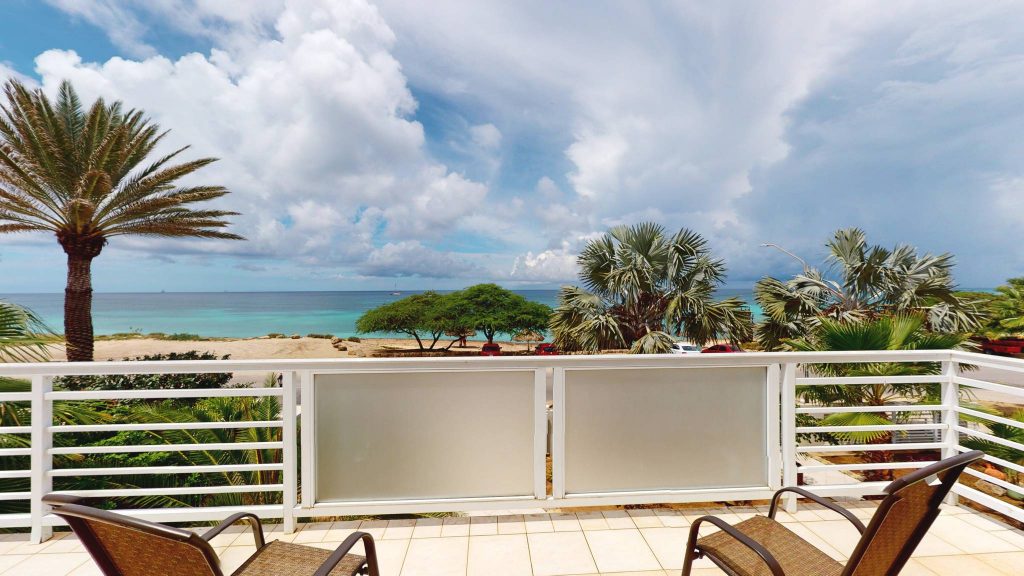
151,381
1005,309
23,335
418,316
642,288
861,282
88,174
492,310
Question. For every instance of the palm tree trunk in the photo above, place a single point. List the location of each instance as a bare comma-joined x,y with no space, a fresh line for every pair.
78,334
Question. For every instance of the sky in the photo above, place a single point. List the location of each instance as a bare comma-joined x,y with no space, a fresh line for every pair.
369,145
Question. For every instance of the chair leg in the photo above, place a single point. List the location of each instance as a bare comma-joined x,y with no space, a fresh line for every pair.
691,549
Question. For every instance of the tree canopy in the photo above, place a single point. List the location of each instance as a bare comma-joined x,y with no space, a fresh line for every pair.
861,282
419,316
642,288
491,309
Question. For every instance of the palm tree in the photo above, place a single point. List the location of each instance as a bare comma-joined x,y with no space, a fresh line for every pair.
642,288
80,175
23,336
896,332
1008,308
863,282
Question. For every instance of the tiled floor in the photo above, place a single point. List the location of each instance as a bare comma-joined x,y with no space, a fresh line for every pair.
637,542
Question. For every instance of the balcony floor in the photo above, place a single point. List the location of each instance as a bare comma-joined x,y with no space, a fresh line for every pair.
637,542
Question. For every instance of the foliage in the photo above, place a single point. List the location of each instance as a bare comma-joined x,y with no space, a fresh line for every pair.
419,316
863,282
23,336
1005,309
491,309
150,381
896,332
1003,431
642,287
80,174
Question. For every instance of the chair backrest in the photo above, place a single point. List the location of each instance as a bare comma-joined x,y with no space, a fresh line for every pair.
125,546
903,518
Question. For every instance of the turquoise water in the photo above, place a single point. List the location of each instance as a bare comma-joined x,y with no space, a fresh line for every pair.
239,314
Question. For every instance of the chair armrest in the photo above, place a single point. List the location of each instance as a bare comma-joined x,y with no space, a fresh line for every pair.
810,495
247,517
343,549
742,538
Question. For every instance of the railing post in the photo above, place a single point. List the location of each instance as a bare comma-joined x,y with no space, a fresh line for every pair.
774,376
41,459
558,435
950,392
289,458
787,388
308,449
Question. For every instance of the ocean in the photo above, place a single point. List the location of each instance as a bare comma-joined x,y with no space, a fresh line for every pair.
240,314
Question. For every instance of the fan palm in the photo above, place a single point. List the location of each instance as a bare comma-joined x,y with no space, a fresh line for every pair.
896,332
643,287
23,336
1008,307
863,282
79,174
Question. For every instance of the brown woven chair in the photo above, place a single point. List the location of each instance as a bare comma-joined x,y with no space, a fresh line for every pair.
125,546
760,546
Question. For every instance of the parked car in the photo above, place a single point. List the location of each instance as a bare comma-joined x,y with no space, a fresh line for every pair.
722,349
1003,346
490,349
685,348
543,349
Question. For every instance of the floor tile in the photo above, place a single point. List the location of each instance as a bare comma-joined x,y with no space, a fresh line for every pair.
1007,562
538,523
592,520
957,565
483,526
399,529
502,555
560,553
455,526
48,564
621,551
436,557
512,524
565,523
645,518
427,528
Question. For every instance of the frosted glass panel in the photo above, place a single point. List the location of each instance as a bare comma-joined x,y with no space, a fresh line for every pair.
424,435
665,428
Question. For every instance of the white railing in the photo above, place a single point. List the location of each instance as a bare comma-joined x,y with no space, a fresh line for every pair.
415,435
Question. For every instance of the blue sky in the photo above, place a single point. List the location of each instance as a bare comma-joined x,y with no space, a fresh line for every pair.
443,143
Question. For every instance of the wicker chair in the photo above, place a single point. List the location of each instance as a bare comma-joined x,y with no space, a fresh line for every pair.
760,546
124,546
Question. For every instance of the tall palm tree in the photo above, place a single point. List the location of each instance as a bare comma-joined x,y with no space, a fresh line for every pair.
79,174
23,336
862,282
642,288
897,332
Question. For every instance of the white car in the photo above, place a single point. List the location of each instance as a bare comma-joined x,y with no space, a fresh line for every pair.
685,348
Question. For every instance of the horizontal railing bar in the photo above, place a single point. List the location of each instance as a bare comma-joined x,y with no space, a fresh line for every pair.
166,426
15,452
990,438
852,409
212,513
988,360
18,520
6,496
15,429
996,460
992,480
867,380
853,488
467,363
857,467
168,448
867,428
153,394
15,397
129,492
871,447
7,474
142,470
990,417
991,502
992,386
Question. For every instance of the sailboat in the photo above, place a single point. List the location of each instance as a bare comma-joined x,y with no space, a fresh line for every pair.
395,292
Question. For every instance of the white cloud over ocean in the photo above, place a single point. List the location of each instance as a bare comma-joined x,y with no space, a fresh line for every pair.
487,140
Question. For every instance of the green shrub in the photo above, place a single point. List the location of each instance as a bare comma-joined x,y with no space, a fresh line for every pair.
150,381
354,339
321,336
275,335
182,336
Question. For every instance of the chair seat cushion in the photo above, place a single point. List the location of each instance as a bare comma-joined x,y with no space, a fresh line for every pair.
283,559
795,555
